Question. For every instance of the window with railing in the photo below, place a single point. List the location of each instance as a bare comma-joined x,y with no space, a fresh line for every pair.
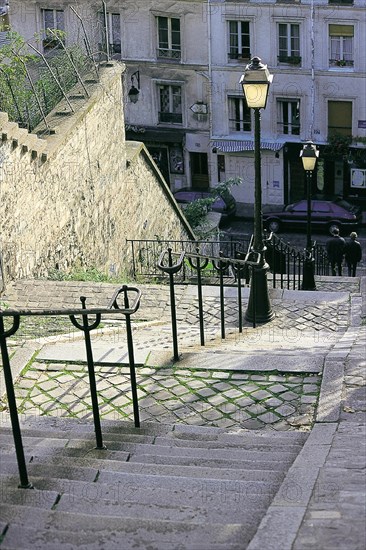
289,43
239,115
288,116
169,37
341,45
340,118
52,19
170,104
110,32
239,40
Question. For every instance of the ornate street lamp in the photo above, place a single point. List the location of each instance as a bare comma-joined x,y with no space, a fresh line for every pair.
255,82
309,155
134,92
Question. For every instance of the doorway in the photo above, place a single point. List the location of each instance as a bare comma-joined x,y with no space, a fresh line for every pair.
199,170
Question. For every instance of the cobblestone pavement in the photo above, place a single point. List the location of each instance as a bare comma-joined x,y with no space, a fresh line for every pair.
253,400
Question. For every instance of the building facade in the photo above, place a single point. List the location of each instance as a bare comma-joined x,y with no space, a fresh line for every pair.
182,96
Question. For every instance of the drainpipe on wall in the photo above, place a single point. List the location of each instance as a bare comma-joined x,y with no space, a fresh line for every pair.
312,40
209,75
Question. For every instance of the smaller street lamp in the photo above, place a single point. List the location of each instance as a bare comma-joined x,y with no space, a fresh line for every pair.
255,82
134,92
309,155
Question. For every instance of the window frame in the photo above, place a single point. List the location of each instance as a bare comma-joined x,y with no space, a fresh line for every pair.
289,54
232,55
287,122
339,130
50,43
170,116
171,52
338,59
237,106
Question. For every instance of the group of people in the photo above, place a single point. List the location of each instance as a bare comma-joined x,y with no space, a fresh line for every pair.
337,248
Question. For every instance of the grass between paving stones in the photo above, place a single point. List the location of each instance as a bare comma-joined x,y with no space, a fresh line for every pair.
253,400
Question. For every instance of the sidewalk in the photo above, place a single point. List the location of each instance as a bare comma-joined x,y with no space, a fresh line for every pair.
304,371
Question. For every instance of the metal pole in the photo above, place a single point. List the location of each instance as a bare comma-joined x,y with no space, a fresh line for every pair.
259,307
19,450
131,359
172,308
308,280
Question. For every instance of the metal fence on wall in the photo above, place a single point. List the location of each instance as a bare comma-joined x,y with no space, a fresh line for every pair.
33,80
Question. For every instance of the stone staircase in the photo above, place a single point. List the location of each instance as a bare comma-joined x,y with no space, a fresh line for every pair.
155,487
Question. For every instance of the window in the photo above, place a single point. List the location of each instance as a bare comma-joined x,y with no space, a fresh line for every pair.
54,20
289,43
239,115
239,40
349,2
288,116
340,118
170,104
168,37
110,25
341,45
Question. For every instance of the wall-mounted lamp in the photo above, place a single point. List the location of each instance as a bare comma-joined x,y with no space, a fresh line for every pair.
133,94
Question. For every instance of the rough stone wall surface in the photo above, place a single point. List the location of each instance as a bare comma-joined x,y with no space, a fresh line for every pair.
77,204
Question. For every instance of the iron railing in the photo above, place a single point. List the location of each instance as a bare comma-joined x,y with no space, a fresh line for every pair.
145,254
285,261
30,87
127,309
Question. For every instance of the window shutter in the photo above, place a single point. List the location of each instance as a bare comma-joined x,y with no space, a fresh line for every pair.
341,30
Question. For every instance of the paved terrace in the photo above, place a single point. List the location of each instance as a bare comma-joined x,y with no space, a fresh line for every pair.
303,370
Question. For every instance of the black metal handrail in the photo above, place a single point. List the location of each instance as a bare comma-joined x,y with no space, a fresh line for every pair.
113,307
285,261
145,254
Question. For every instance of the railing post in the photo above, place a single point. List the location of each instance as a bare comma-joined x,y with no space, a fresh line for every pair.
199,267
171,269
86,328
18,443
131,358
220,267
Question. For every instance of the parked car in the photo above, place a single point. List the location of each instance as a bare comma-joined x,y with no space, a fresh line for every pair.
325,214
225,203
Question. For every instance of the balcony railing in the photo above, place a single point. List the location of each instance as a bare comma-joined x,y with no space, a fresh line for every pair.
239,56
171,118
290,59
168,54
340,63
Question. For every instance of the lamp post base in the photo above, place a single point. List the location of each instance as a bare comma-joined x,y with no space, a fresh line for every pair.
259,306
308,280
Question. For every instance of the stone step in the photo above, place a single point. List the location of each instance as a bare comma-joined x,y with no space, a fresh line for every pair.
31,434
74,472
243,443
243,464
202,453
179,434
160,498
102,464
72,531
156,503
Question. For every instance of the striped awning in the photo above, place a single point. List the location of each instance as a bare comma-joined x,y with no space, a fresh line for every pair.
227,146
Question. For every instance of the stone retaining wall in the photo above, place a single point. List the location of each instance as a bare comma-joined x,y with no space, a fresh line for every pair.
69,199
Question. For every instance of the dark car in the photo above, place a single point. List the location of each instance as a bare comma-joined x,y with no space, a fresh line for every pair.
225,204
325,214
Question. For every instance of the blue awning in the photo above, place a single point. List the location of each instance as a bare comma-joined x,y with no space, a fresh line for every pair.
230,146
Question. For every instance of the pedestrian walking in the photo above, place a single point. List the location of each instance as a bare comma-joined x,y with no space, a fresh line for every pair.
335,247
353,254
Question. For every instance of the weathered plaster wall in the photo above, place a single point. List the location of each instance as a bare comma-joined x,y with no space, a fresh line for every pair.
69,200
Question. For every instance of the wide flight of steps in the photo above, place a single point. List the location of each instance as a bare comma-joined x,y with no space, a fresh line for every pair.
158,487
